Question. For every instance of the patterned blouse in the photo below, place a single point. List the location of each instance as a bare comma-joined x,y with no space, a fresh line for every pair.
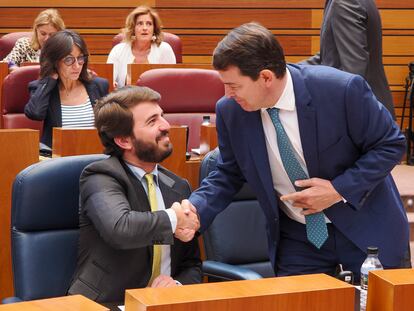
22,52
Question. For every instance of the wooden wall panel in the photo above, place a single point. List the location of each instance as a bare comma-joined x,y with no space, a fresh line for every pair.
202,24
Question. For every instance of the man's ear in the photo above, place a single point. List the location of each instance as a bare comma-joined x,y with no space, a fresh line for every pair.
267,76
124,142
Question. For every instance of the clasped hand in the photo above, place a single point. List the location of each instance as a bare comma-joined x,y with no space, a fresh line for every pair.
187,220
318,195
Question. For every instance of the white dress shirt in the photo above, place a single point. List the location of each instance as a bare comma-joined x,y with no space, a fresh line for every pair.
121,55
165,249
289,118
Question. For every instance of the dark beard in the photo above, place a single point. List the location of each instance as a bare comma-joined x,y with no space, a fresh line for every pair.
149,152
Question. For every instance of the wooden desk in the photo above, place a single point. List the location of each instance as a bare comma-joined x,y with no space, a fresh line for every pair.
19,149
75,141
4,71
66,303
134,71
296,293
391,290
105,71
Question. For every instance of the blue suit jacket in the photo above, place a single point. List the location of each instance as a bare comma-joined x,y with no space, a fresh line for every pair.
347,136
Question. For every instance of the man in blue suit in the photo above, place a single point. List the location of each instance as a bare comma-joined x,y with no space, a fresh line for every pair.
317,148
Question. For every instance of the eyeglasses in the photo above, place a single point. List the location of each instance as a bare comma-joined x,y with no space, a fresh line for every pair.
70,60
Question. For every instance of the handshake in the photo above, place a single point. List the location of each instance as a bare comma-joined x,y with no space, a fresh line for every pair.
187,220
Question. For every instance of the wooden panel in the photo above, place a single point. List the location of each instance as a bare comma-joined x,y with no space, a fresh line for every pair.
135,70
105,71
397,19
19,149
398,45
396,74
75,141
230,18
395,4
241,3
308,292
295,45
391,290
67,303
75,3
4,71
73,17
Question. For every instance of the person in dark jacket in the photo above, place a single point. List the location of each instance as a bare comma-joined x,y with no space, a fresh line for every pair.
65,94
130,219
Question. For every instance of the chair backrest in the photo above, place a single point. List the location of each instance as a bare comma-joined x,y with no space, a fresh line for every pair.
45,206
15,95
186,96
8,40
170,38
237,235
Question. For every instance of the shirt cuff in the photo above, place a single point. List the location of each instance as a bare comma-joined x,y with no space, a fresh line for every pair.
173,218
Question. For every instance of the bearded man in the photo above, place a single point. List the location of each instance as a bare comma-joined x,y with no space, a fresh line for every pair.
130,214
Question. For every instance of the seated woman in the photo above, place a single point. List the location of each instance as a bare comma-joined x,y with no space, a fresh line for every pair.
28,49
65,94
142,44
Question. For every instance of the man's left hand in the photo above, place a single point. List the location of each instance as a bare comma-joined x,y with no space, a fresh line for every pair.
318,195
163,281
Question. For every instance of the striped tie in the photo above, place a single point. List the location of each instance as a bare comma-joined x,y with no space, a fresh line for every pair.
316,229
156,259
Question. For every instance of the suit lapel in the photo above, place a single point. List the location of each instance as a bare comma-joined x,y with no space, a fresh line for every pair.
307,122
258,152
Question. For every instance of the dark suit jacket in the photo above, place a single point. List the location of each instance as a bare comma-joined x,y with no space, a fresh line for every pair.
44,103
117,232
347,137
351,40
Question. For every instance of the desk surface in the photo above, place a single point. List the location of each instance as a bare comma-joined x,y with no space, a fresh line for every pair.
66,303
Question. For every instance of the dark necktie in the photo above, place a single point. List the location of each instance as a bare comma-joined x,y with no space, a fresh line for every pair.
316,229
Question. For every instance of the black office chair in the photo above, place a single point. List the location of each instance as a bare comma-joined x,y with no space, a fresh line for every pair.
236,242
45,207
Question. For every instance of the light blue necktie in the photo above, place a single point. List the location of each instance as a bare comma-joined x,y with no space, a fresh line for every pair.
316,229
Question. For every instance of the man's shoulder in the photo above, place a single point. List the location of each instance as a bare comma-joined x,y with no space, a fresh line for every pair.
110,166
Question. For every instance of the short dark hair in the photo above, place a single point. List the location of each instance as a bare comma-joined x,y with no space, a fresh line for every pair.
57,47
252,48
113,116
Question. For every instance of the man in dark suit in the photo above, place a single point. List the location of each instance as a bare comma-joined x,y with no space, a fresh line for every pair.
316,147
126,226
351,40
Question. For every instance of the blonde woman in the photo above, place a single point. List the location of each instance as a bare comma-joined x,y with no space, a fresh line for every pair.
142,44
28,49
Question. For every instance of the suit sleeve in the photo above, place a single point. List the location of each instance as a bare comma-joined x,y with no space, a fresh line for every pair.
349,26
314,60
378,139
217,190
189,264
188,269
104,202
40,92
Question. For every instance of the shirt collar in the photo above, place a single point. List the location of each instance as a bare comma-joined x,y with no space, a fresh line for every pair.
287,99
140,173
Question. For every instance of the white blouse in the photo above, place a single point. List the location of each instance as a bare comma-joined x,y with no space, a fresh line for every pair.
121,55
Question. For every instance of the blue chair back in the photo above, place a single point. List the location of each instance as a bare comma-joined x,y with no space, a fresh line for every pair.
237,236
45,206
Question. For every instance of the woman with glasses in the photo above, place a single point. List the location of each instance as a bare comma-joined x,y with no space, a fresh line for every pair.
65,94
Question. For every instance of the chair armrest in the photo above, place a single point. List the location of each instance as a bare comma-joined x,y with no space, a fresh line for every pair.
228,272
11,300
